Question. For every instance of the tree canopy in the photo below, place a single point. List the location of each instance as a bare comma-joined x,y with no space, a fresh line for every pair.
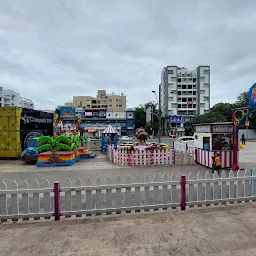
222,112
140,117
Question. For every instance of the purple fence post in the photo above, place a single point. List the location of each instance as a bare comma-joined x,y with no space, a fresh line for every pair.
183,192
196,160
57,200
129,159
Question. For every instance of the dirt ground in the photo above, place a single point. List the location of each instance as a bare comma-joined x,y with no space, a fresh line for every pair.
223,230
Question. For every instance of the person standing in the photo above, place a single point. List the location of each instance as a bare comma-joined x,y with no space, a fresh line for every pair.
243,139
217,163
213,164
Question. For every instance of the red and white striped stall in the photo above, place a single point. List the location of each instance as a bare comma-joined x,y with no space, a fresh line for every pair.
211,139
204,157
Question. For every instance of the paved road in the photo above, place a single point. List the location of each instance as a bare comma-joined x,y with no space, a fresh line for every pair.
216,231
100,166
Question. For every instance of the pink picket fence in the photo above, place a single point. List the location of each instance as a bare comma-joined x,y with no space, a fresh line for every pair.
150,157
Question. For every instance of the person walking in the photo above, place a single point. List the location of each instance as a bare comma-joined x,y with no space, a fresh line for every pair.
243,139
217,163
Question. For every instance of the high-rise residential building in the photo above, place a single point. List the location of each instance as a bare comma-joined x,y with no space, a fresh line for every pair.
103,100
11,98
184,92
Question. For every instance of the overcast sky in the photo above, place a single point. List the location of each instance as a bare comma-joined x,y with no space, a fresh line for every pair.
51,50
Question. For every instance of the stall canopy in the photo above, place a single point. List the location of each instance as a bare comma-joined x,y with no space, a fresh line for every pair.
110,130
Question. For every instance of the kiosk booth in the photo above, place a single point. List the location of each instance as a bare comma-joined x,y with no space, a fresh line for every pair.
211,139
109,136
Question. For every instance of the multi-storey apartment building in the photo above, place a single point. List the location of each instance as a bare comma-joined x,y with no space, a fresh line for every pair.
11,98
184,92
101,101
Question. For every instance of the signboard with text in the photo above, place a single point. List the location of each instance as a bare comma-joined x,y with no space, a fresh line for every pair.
252,96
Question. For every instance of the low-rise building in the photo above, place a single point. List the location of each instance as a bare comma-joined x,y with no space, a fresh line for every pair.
103,100
96,120
11,98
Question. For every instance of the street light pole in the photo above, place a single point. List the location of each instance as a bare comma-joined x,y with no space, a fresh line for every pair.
159,118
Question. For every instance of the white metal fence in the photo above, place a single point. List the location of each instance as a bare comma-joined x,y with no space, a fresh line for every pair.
27,202
94,145
116,195
184,146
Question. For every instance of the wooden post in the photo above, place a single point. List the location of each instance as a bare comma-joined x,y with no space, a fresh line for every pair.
57,200
183,192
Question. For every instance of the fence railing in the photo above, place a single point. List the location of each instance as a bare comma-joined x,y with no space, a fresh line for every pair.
94,145
150,157
128,195
24,203
184,146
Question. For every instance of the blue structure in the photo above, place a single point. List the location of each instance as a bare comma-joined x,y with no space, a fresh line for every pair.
98,118
109,135
130,122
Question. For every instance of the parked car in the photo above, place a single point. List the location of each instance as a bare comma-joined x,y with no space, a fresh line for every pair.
185,139
125,138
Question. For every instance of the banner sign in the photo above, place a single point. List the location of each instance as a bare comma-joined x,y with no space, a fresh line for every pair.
148,114
176,118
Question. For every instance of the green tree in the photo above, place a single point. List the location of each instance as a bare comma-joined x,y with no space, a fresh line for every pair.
222,112
140,117
242,100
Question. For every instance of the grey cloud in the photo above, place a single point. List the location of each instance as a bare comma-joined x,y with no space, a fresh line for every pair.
53,50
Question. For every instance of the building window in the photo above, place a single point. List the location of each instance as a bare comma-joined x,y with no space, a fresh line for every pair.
206,98
190,86
117,105
206,85
116,99
194,93
206,71
170,72
179,86
184,86
194,85
110,105
108,114
194,80
120,106
179,79
194,105
202,78
173,79
179,105
184,99
179,92
110,100
202,91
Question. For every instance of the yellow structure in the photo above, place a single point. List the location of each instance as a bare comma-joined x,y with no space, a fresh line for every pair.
10,146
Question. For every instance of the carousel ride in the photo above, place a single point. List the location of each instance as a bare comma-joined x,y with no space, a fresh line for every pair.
142,144
63,150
